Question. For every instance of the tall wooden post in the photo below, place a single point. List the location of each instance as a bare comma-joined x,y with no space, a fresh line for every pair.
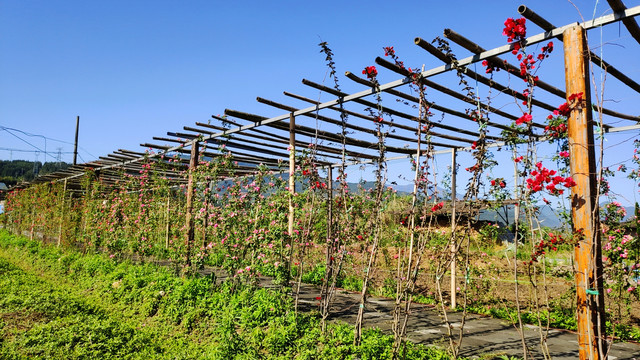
584,206
33,222
75,144
62,210
193,162
292,183
205,219
166,229
516,207
292,169
329,210
453,227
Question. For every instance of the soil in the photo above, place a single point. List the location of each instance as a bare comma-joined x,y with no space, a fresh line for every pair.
490,281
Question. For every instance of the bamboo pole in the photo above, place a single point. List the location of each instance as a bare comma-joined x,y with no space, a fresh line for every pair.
453,228
193,161
584,206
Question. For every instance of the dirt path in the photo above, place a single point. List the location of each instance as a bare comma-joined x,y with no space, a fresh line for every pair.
483,336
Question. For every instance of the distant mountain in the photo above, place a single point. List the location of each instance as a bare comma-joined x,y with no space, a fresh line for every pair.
631,212
407,189
548,217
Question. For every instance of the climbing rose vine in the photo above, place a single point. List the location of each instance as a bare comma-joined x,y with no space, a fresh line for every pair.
547,179
370,71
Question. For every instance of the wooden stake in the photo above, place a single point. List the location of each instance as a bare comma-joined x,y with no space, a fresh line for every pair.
205,219
193,162
453,228
584,207
62,209
166,239
33,222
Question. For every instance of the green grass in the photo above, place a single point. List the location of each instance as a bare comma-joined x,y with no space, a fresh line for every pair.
56,304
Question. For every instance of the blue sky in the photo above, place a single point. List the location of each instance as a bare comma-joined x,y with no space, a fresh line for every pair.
136,69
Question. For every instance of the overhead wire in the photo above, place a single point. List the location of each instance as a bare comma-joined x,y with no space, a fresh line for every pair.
8,129
28,143
24,150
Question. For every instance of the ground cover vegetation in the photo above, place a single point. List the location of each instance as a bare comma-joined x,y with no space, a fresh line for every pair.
64,304
373,241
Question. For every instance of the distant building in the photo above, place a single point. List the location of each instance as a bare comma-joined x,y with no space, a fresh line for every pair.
3,192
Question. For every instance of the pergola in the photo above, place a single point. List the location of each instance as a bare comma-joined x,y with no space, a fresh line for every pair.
255,140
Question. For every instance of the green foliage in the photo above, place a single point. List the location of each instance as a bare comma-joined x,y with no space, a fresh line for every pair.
15,171
490,233
558,318
78,337
351,283
315,275
624,331
74,306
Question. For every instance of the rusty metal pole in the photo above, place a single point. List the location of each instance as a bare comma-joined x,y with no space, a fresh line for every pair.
584,206
193,162
453,228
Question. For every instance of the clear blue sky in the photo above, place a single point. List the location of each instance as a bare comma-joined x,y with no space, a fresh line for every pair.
136,69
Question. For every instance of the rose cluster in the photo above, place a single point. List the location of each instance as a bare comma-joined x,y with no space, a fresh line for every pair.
547,179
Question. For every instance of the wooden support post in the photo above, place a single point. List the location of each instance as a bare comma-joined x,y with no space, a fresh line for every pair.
75,144
329,210
205,219
584,206
166,239
292,183
62,209
453,227
193,162
516,181
33,221
292,170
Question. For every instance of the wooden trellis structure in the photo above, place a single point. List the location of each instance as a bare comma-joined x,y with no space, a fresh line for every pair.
254,139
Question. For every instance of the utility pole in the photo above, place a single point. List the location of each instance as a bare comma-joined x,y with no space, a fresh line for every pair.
75,145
